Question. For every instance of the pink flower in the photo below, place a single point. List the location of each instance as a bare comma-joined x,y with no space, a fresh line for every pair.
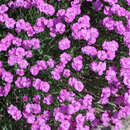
37,29
8,77
41,64
107,10
72,81
59,116
5,91
55,75
51,63
89,50
90,116
66,73
52,34
98,67
70,15
106,92
97,5
111,75
102,55
108,23
17,41
31,119
33,108
36,43
78,85
46,115
23,64
3,17
25,98
10,22
65,57
28,54
34,70
110,46
127,98
48,99
36,98
14,112
3,8
105,118
47,9
36,83
64,44
60,27
20,24
80,119
20,52
65,125
61,12
77,63
110,55
84,21
87,101
44,86
20,72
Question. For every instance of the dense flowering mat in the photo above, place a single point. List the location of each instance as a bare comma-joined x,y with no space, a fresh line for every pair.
64,64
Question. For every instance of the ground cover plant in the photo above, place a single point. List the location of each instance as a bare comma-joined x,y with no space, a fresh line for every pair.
64,64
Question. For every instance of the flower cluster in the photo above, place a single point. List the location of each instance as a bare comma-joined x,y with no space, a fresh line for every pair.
82,30
78,85
41,85
61,87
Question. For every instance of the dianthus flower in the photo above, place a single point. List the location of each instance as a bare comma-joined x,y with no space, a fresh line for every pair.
65,57
66,73
105,95
97,5
60,28
33,108
98,67
34,70
64,44
7,77
105,118
14,112
48,99
102,55
77,63
89,50
111,46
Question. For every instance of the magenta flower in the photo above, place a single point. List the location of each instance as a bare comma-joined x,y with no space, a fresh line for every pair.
105,118
3,8
48,99
66,73
41,64
64,44
44,86
77,63
97,5
51,63
25,98
102,55
89,50
60,27
34,70
14,112
10,22
8,77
